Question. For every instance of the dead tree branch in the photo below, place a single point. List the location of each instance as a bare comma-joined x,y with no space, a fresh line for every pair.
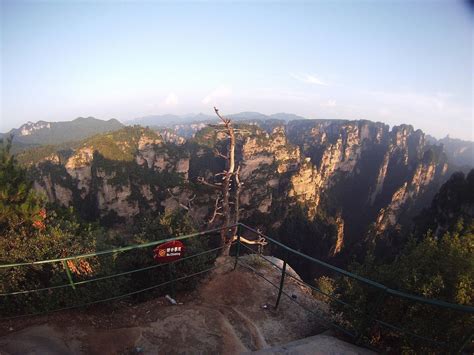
186,207
260,241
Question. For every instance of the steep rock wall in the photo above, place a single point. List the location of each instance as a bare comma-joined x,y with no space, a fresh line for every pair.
357,173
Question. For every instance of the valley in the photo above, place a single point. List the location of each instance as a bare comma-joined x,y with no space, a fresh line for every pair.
351,177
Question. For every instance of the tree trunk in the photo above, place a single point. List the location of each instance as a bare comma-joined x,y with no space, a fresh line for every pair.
226,240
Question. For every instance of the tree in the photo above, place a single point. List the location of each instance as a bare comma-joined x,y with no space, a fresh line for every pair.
20,207
227,206
436,262
32,230
222,206
230,183
435,268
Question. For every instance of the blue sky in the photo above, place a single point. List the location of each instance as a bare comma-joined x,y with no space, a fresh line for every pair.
396,62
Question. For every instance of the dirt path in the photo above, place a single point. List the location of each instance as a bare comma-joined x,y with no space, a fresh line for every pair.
230,312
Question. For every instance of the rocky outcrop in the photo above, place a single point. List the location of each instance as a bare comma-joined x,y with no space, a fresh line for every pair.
339,237
146,151
54,192
266,159
303,184
356,173
423,177
364,170
452,208
115,176
382,172
115,197
156,155
78,166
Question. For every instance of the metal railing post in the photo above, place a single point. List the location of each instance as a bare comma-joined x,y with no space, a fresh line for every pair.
171,275
237,252
465,342
282,281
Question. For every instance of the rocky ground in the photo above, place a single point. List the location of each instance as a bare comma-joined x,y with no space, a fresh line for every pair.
230,312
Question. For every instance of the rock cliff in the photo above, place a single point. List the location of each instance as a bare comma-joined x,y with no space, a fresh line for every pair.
354,174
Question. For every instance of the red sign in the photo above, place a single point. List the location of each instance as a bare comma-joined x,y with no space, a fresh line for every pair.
169,251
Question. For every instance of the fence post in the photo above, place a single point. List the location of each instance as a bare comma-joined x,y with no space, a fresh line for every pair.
237,252
282,280
371,316
69,275
465,342
171,275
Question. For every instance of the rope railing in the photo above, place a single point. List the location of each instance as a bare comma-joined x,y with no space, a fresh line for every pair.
117,250
384,292
73,283
325,320
108,276
372,319
457,307
111,298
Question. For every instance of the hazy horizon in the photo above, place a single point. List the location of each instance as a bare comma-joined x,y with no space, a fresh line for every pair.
191,114
394,62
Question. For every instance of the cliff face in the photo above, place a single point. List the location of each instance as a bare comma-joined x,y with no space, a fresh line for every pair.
364,171
115,176
266,162
352,173
330,149
452,209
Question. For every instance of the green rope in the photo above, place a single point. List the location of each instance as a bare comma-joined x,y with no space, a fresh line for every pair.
116,250
73,284
110,298
456,307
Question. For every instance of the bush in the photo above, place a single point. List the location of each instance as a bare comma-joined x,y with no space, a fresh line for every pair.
437,269
326,285
32,230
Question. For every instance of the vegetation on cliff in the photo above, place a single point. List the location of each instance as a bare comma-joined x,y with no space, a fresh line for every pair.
32,229
437,262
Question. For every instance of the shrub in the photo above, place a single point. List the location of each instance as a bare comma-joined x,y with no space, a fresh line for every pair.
440,269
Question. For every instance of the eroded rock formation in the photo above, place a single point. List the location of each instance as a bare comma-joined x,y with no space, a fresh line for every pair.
356,173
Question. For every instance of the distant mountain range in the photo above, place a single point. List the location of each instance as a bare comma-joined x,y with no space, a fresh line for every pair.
459,152
170,120
44,133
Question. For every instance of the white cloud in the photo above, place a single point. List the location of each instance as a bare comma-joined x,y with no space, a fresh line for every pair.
171,99
309,79
216,94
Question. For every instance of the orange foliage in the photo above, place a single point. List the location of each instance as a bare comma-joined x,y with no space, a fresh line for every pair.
82,268
39,225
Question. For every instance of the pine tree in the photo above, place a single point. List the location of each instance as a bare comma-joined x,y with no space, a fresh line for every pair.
20,206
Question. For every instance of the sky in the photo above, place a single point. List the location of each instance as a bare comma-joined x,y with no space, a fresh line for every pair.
390,61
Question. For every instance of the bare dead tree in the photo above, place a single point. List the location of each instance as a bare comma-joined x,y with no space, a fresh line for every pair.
230,182
227,177
238,185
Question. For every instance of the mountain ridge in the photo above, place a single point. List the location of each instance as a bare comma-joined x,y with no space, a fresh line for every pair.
44,132
346,176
